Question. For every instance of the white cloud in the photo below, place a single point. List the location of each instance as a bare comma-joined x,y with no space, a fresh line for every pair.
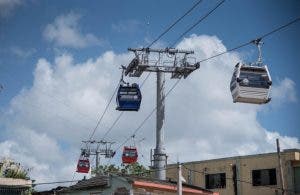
8,6
65,32
285,91
201,120
127,26
22,53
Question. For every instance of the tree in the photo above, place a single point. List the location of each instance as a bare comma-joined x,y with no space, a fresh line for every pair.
129,169
11,169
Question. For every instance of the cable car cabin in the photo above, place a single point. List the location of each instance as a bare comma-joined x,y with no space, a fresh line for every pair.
129,97
83,166
130,155
251,84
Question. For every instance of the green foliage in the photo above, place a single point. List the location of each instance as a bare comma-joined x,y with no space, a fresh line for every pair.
11,169
136,169
130,169
16,174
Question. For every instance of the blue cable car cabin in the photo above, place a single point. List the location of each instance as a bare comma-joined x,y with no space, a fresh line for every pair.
129,97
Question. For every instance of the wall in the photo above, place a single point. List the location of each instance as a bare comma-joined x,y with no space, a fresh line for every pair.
245,165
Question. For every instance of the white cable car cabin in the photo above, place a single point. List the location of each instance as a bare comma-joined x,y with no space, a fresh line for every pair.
251,84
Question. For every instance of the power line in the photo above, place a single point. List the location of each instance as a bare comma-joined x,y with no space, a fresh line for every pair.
162,34
173,24
188,30
235,48
167,168
239,180
120,115
232,49
68,181
250,42
147,117
195,24
104,112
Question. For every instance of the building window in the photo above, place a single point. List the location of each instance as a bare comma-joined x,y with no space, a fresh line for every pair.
190,177
297,179
213,181
264,177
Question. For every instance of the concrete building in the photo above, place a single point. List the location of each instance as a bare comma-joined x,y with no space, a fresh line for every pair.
10,186
242,175
125,185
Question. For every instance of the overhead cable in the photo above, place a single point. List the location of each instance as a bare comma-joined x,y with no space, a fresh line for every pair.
173,24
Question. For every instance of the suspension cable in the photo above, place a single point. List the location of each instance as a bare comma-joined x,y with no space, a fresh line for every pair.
173,24
196,23
203,60
176,83
162,34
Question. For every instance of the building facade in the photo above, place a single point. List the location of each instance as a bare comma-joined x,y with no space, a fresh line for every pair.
10,186
129,185
242,175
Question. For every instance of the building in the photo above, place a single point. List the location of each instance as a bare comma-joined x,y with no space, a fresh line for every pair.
242,175
10,186
127,185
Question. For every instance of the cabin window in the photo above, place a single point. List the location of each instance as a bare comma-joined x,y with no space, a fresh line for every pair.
213,181
264,177
255,80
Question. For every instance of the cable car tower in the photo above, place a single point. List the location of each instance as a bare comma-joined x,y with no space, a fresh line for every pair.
170,60
99,148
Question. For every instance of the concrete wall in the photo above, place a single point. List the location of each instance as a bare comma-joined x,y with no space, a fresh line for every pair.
244,165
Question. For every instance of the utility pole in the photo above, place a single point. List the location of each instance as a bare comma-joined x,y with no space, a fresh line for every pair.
280,167
179,65
103,148
179,179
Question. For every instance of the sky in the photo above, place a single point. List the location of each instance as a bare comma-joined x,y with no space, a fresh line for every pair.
59,66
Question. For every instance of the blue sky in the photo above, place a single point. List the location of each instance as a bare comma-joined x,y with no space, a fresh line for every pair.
30,31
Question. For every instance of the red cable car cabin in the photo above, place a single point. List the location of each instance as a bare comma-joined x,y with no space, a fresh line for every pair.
83,166
130,155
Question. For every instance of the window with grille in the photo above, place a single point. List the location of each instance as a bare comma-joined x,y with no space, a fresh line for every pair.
213,181
264,177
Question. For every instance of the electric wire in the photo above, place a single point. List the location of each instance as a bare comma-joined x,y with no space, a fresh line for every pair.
196,23
104,112
167,168
176,83
251,41
235,48
120,115
203,60
174,23
68,181
147,117
154,41
239,180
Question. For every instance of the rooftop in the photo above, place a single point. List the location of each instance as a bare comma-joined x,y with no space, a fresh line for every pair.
103,182
241,157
